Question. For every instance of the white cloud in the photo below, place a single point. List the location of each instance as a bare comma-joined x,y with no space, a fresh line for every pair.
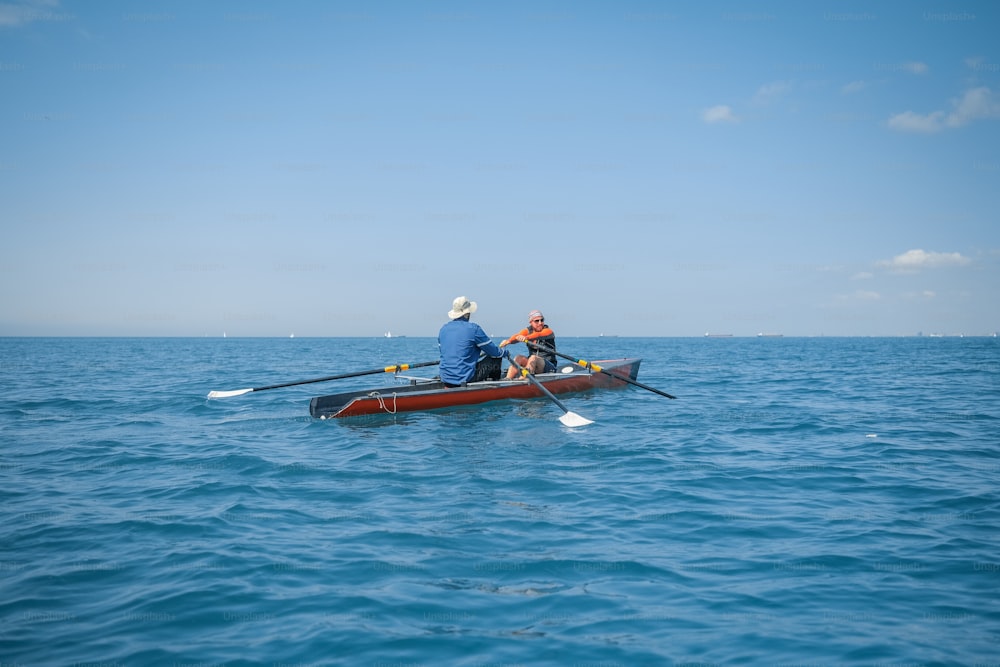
719,114
915,260
13,14
770,92
915,67
862,275
975,104
853,87
910,121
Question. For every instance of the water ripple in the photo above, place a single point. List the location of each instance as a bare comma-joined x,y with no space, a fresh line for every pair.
802,501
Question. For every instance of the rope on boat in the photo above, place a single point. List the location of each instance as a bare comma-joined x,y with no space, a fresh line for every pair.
381,401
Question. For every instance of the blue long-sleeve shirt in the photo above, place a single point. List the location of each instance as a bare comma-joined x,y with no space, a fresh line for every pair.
461,343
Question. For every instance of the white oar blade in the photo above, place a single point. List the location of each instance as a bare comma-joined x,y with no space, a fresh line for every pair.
228,394
573,419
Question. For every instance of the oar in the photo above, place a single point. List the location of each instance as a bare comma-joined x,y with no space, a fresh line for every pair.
387,369
588,364
569,418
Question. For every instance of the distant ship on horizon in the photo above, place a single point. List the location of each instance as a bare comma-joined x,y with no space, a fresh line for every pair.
770,335
712,335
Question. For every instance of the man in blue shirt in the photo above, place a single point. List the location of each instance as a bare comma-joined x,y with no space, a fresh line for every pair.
462,344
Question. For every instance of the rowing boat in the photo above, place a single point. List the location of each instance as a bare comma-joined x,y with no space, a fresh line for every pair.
432,394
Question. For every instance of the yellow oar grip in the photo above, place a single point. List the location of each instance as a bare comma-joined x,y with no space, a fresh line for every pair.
586,364
397,368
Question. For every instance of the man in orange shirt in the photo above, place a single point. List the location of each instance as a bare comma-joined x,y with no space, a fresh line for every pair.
540,360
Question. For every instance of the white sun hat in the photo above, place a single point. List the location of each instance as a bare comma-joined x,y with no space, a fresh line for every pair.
461,306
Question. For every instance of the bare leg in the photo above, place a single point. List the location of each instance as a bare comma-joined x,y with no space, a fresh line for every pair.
536,364
522,361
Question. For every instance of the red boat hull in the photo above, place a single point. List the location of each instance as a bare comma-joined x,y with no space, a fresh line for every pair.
433,396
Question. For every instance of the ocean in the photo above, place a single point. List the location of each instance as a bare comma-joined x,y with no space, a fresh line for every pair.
803,501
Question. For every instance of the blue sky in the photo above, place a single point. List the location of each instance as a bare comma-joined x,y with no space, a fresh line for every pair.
630,168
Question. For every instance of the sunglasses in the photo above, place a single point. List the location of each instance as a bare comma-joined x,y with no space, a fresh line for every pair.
533,321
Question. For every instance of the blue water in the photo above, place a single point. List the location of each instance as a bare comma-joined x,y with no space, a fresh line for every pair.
803,501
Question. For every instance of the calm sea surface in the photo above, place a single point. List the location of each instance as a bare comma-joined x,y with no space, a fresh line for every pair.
803,501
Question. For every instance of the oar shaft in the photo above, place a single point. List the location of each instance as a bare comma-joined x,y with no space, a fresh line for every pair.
538,384
386,369
569,418
592,366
